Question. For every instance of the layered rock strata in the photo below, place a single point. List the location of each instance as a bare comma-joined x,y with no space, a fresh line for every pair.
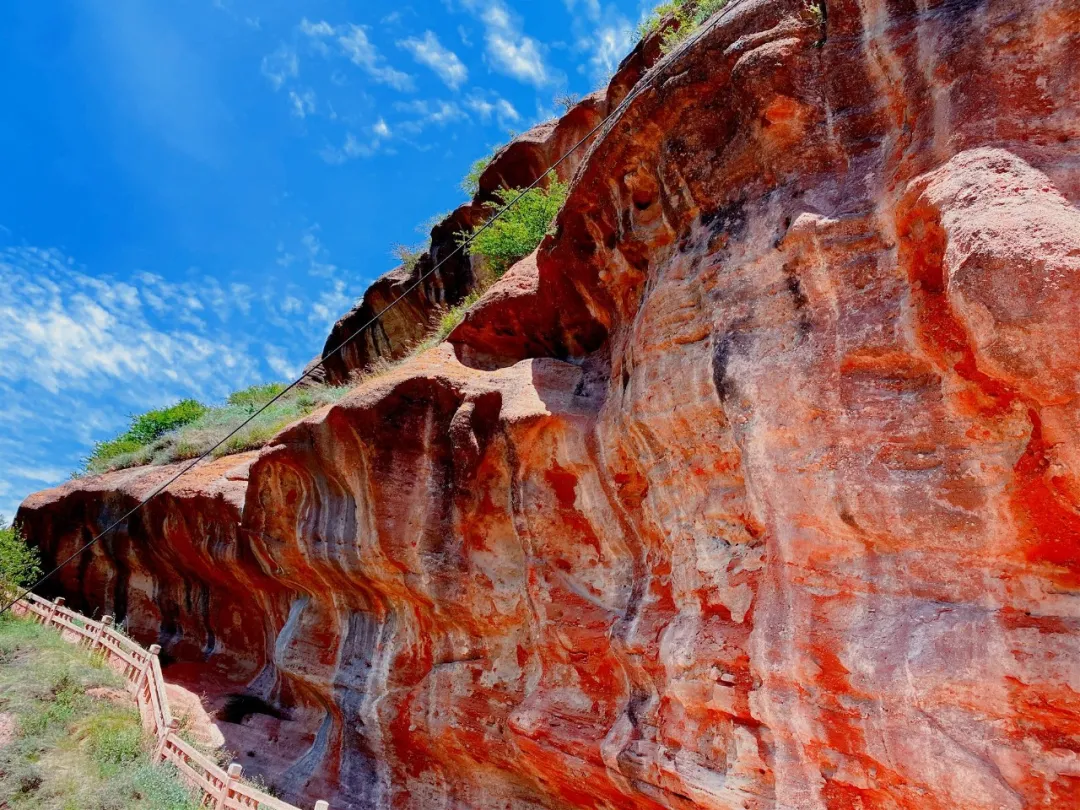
757,487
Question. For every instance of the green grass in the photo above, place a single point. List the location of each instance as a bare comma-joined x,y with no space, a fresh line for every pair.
689,14
72,751
519,231
194,438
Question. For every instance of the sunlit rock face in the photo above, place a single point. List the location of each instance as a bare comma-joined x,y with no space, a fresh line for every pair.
375,332
756,487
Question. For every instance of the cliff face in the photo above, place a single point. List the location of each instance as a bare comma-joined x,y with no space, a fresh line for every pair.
758,486
444,275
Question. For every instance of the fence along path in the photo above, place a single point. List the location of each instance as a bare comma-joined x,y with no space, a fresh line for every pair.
141,669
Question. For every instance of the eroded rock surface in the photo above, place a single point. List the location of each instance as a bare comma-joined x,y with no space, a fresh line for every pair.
757,487
444,275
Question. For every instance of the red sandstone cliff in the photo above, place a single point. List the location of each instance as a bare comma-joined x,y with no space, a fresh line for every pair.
757,487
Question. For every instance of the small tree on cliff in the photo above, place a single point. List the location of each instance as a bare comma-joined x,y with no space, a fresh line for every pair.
19,563
519,231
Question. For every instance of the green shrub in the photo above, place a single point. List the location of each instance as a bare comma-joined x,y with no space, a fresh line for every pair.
19,563
150,425
144,429
688,14
471,183
451,318
254,397
196,437
519,231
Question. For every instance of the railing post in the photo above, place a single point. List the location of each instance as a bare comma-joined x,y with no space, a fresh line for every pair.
321,805
169,729
232,775
144,674
95,643
58,602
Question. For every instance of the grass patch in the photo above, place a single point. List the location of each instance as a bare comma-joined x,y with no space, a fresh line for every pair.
146,427
194,438
72,751
519,231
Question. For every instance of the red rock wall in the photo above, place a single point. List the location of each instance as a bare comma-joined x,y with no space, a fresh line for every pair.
557,146
757,487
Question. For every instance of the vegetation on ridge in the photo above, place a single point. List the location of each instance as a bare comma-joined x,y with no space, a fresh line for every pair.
72,747
470,184
688,14
191,437
519,231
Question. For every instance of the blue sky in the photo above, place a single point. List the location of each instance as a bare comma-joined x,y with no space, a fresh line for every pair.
194,190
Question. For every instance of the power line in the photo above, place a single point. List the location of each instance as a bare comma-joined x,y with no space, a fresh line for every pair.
612,117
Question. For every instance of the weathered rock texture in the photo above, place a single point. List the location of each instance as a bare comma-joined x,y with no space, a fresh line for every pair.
757,487
444,275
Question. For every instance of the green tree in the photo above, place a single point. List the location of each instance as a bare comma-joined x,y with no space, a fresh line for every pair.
19,563
519,231
471,184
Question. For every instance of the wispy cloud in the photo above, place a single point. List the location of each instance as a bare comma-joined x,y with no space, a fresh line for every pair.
428,113
79,352
509,50
303,102
359,146
66,330
427,50
602,33
352,41
491,105
611,41
280,66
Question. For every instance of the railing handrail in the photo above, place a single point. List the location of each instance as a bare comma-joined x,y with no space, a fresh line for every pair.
142,671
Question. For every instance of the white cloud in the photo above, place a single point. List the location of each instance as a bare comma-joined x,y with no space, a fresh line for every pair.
603,34
303,103
281,365
331,305
66,330
280,66
352,41
44,475
319,29
591,8
610,43
491,106
428,113
430,52
508,49
361,51
355,146
80,352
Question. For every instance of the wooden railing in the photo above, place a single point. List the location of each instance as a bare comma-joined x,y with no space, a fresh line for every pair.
221,789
